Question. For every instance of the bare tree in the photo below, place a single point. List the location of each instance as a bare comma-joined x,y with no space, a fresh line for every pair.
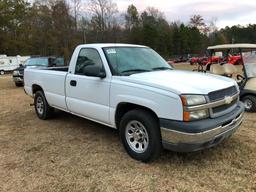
154,12
76,8
212,25
131,17
197,21
103,12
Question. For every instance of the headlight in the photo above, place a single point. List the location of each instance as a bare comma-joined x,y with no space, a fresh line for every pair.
195,115
16,72
192,100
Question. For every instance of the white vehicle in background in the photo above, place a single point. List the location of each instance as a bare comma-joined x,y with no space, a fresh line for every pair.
131,88
9,63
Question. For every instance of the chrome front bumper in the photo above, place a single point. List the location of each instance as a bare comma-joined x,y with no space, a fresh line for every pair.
192,136
175,137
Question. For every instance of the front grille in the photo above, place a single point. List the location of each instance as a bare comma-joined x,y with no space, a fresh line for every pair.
221,94
223,107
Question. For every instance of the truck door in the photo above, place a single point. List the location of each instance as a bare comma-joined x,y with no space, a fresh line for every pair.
86,95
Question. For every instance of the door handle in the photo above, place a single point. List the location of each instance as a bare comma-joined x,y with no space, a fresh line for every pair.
73,83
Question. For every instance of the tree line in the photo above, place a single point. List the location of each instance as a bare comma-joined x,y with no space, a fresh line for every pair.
55,27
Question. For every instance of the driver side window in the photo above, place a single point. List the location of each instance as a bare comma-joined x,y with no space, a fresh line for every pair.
87,56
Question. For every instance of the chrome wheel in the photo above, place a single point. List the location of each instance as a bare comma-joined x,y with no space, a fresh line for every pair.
248,104
1,72
40,105
137,136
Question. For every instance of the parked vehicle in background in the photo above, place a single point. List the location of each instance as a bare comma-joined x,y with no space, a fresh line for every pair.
194,60
247,77
230,59
18,73
234,59
181,59
9,63
133,89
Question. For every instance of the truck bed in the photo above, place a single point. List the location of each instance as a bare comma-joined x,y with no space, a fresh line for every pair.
52,81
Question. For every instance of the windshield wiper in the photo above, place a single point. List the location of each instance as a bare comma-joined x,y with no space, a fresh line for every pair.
161,68
135,70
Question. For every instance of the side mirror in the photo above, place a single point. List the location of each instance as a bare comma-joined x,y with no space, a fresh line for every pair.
94,71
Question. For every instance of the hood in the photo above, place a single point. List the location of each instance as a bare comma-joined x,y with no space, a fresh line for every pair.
181,82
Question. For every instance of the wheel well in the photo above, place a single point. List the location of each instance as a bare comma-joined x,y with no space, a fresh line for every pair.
123,108
36,88
247,94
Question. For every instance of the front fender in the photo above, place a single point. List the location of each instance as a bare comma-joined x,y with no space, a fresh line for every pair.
167,107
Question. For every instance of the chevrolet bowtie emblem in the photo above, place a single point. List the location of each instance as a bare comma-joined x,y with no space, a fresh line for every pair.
228,99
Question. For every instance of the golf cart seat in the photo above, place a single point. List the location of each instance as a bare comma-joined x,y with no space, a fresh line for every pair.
217,69
250,84
229,70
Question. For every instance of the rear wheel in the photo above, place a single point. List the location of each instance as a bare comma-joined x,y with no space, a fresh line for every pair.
249,103
2,72
43,109
140,135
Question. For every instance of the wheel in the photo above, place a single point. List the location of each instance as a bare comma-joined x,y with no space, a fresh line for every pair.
140,134
19,84
249,103
2,72
42,108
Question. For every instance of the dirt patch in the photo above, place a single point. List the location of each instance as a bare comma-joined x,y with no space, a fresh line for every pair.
69,153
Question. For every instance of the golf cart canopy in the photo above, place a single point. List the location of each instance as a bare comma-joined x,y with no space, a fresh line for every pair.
233,46
247,53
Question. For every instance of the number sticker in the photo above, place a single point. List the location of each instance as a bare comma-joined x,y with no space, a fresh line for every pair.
111,51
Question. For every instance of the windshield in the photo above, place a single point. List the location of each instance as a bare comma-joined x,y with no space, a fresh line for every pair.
250,63
130,60
37,62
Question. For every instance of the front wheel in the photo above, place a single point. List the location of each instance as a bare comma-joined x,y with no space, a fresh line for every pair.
140,134
1,72
43,109
249,103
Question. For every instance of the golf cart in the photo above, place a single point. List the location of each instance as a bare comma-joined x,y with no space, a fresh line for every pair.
244,74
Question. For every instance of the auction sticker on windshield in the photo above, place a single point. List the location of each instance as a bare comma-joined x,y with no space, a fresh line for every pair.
111,51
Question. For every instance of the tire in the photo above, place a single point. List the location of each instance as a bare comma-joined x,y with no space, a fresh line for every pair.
2,72
249,103
19,84
140,135
43,109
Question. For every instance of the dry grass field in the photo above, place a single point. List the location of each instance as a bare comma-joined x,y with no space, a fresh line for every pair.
69,153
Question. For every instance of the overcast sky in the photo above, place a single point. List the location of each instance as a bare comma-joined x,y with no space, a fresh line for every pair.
228,12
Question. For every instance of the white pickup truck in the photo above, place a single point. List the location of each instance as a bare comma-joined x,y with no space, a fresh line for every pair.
131,88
